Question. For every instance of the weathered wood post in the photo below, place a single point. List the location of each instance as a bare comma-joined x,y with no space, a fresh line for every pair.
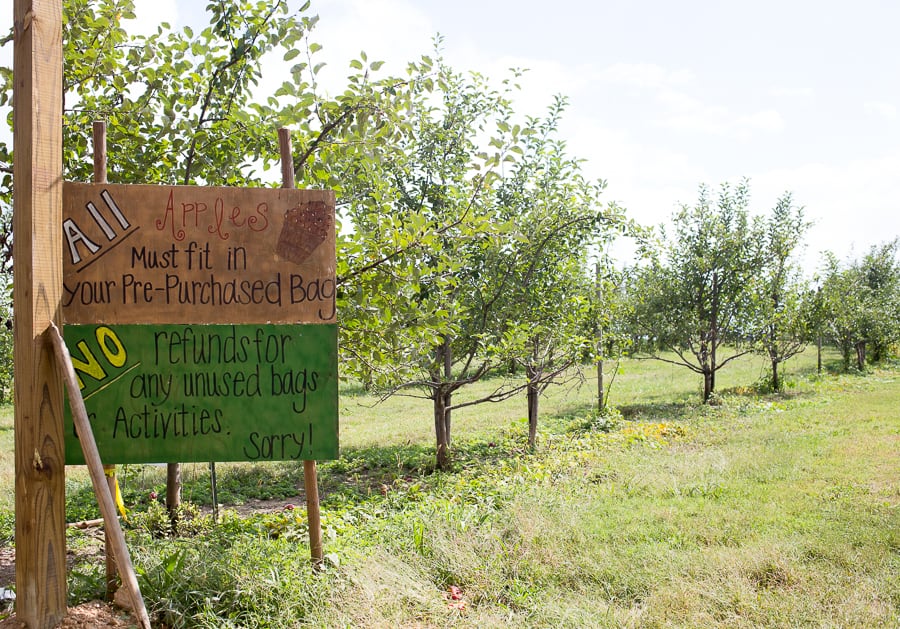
310,477
112,581
37,221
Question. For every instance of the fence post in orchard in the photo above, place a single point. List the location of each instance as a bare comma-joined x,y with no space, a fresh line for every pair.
310,481
99,136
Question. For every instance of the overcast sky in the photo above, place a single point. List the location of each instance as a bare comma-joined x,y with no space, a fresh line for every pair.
796,95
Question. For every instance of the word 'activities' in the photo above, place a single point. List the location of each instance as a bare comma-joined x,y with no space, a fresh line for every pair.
201,321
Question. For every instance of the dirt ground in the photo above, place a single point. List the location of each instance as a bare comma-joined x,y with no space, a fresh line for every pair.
96,614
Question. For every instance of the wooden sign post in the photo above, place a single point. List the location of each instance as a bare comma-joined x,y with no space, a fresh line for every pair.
37,219
310,480
112,582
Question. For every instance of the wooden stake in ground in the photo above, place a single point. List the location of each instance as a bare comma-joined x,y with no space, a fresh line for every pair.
310,480
37,284
112,584
313,516
95,467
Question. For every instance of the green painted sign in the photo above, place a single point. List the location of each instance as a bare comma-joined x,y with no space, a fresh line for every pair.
179,393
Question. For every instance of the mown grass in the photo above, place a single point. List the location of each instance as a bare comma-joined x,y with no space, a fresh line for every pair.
759,511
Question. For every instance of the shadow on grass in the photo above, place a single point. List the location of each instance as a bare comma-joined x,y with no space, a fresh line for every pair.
689,409
363,471
358,475
658,411
354,389
235,485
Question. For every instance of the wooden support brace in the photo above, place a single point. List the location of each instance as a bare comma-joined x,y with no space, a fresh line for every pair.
95,468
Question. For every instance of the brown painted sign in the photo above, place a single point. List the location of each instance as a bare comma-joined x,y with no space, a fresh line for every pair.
185,254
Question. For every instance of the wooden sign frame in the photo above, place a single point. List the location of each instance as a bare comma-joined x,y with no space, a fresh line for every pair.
223,299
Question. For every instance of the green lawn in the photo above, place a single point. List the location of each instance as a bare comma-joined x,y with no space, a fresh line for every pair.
760,511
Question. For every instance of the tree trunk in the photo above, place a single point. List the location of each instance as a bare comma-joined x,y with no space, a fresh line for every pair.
876,351
704,367
776,383
442,398
173,491
601,403
709,385
601,397
846,348
448,376
533,400
440,430
861,355
819,354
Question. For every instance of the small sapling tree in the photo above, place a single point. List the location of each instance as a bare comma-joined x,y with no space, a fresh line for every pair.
779,288
693,298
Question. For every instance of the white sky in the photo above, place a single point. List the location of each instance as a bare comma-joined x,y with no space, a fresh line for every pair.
796,95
